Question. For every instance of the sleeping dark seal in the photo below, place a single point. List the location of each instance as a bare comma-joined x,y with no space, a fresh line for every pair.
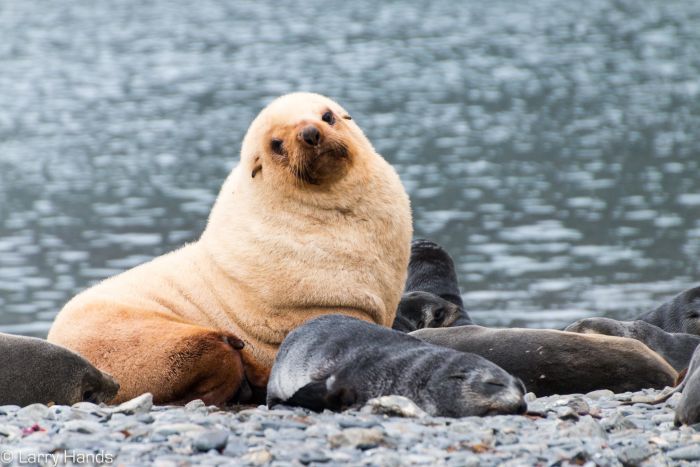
35,371
418,310
680,314
676,348
556,362
334,362
431,297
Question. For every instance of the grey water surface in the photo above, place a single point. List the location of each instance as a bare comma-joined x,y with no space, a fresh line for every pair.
553,147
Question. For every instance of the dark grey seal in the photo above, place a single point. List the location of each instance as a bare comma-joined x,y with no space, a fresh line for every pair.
334,362
688,409
557,362
431,297
676,348
680,314
35,371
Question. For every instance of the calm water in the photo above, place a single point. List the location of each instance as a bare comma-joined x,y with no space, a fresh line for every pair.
553,147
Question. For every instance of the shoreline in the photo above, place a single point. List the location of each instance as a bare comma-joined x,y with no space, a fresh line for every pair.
591,429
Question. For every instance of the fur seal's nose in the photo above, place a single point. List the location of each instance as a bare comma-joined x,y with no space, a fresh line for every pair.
311,135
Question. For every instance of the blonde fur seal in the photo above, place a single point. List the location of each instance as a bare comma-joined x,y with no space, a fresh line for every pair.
312,221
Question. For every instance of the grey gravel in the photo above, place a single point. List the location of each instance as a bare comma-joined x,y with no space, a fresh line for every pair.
594,429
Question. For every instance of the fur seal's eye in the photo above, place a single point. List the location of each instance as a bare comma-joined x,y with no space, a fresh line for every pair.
89,396
439,315
277,146
497,384
328,117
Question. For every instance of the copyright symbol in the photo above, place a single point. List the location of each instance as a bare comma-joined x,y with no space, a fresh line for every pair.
6,457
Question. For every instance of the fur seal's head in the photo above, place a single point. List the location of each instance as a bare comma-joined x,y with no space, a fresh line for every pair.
469,385
418,310
52,373
304,138
686,307
97,386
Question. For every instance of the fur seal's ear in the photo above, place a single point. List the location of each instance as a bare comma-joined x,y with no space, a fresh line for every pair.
347,117
257,168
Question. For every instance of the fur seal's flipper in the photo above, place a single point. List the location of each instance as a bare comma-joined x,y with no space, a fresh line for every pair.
317,397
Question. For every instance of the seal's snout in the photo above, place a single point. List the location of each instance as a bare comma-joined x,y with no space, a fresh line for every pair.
310,135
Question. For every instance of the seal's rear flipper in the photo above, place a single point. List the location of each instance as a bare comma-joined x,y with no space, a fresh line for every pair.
317,397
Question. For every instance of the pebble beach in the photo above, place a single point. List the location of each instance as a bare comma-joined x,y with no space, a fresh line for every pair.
599,428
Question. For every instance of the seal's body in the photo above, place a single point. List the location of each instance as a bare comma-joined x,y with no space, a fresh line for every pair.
676,348
688,408
336,361
680,314
431,297
556,362
312,221
35,371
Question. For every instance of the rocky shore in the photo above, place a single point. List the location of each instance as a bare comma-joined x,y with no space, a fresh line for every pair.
592,429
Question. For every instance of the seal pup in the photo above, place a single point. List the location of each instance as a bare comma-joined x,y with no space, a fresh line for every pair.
334,362
311,221
680,314
35,371
676,348
431,297
557,362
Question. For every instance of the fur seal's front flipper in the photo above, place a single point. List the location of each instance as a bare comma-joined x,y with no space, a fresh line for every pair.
317,397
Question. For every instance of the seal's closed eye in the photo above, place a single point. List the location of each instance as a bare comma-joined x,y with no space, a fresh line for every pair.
347,117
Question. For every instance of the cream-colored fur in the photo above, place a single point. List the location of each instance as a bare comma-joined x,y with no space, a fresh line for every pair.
276,252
